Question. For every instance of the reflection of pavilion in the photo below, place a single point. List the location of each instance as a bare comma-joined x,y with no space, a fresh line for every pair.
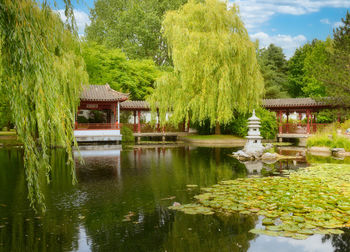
99,161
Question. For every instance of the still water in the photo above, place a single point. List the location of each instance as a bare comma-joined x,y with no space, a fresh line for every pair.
120,204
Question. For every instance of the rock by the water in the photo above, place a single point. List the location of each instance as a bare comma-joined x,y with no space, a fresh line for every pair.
253,149
269,156
320,151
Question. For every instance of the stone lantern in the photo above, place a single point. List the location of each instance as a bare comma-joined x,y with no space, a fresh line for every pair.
253,145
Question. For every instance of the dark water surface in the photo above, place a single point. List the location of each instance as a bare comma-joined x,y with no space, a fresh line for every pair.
120,204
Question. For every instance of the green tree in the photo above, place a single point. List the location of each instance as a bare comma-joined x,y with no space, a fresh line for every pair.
134,26
5,116
111,66
216,72
273,65
43,74
336,73
296,71
305,69
318,55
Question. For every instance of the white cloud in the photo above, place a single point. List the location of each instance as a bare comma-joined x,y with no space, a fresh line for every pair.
81,18
287,42
337,24
256,12
325,21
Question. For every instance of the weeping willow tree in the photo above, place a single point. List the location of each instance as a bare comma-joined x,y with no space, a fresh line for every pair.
42,75
215,68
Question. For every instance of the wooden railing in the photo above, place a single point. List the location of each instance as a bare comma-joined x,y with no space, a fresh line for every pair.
297,128
92,126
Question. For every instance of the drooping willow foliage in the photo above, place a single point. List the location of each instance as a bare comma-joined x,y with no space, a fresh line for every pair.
215,66
43,74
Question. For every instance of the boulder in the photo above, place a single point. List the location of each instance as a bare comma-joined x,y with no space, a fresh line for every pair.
320,151
269,156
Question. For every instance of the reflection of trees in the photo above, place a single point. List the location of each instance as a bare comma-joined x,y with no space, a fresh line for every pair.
147,177
341,242
320,159
109,233
24,230
210,233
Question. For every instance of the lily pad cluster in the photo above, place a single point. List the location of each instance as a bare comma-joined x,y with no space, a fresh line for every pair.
314,200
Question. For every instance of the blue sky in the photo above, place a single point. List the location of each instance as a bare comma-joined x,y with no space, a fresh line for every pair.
286,23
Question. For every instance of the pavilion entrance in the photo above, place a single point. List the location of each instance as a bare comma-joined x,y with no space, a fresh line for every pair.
98,115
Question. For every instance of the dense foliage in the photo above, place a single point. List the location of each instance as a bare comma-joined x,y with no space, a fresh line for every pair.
329,140
321,68
133,26
111,66
336,73
274,69
128,135
239,125
215,68
43,74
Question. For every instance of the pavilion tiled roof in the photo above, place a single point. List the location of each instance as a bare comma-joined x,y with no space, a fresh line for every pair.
292,103
267,103
141,105
102,93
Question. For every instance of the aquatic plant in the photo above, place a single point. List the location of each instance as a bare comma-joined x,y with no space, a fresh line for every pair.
314,200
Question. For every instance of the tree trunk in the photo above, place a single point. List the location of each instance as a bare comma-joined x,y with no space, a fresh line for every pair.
217,129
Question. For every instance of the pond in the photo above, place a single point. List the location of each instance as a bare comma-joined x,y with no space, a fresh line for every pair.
121,200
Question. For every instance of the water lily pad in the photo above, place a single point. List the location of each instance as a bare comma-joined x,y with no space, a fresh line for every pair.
314,200
300,236
268,221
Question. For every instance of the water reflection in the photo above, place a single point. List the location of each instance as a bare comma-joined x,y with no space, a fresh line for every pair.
121,200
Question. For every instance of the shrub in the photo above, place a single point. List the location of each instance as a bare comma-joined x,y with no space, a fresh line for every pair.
326,116
268,123
321,140
341,142
4,129
128,136
82,119
239,125
325,140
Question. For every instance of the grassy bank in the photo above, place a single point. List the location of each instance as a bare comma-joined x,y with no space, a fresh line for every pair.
7,133
214,140
329,140
212,137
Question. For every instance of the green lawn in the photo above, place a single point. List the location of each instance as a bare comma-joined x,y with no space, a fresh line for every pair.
212,137
7,133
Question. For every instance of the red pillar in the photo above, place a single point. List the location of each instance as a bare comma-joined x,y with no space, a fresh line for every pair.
139,121
308,121
280,121
114,120
287,126
315,124
311,121
134,120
